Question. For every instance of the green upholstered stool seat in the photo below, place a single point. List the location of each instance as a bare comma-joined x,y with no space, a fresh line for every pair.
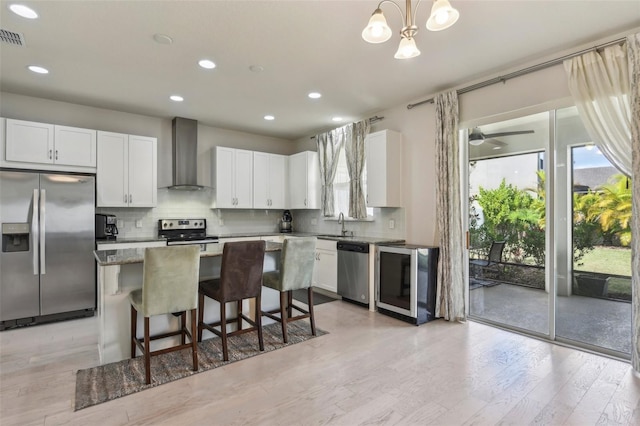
295,272
169,285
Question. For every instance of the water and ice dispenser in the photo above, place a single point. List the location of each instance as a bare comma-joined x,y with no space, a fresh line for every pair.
15,237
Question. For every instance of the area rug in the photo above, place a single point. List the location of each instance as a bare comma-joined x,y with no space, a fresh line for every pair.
106,382
318,299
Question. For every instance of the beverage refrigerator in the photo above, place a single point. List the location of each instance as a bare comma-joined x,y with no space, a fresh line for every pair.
47,268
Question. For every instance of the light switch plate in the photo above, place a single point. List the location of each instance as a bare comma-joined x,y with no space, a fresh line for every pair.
392,224
314,221
120,223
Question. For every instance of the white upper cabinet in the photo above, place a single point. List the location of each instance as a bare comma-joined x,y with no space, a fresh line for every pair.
41,143
127,170
233,178
269,181
384,169
74,146
304,181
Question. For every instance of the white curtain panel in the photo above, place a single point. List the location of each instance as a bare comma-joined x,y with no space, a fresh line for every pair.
329,145
450,288
355,152
633,50
600,86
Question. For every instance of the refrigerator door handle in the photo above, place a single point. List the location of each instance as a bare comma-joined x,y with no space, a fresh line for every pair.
43,200
34,231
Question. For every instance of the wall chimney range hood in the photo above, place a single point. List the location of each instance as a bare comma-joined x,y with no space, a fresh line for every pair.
184,144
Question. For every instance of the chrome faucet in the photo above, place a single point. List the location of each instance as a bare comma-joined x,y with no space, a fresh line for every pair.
341,221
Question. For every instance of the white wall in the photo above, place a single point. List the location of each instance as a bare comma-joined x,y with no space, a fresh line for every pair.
67,114
535,92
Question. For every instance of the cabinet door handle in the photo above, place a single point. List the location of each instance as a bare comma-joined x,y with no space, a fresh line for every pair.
130,198
125,198
56,154
305,201
50,154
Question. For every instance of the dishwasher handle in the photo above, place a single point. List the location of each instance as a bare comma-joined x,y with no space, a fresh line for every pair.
352,246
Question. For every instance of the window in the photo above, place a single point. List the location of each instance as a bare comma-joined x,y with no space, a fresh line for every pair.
341,186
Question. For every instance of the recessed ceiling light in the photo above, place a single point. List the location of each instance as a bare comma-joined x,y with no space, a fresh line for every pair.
256,68
176,98
337,118
269,117
24,11
315,95
497,147
206,63
162,39
37,69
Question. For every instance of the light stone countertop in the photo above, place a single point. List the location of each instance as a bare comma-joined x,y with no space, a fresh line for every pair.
127,256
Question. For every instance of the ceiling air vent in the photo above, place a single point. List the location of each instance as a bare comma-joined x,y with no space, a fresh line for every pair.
10,37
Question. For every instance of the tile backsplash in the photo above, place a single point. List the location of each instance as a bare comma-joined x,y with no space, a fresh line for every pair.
141,223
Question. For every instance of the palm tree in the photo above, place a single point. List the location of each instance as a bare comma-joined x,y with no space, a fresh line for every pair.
613,209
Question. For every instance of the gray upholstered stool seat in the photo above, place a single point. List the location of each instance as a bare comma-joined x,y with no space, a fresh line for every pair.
240,278
295,272
169,285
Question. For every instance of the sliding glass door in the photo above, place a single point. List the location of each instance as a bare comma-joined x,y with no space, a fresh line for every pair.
507,230
549,232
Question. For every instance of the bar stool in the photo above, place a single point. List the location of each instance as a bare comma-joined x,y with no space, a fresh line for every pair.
169,284
296,272
240,278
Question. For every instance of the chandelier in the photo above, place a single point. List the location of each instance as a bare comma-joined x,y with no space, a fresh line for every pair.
377,31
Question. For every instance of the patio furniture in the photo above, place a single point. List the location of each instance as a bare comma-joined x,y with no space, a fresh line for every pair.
494,260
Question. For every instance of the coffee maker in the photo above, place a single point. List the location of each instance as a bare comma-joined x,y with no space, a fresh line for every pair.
106,227
285,222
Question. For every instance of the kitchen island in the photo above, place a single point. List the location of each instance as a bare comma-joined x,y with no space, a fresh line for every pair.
120,272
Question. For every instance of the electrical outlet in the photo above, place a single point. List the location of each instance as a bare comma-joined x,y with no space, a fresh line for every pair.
392,224
138,224
120,223
314,221
220,222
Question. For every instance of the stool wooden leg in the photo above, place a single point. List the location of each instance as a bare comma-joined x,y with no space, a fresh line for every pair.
223,330
147,352
259,323
283,315
134,330
239,311
200,315
183,324
194,342
312,319
289,303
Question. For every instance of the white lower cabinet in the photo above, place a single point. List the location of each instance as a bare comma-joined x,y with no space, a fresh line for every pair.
325,273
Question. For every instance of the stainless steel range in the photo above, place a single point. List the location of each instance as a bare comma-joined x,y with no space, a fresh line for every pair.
185,231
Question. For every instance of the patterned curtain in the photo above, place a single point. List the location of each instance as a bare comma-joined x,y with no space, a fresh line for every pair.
354,150
633,54
599,85
450,288
329,145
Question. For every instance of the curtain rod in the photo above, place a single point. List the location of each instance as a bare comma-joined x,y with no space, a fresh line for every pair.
372,120
504,78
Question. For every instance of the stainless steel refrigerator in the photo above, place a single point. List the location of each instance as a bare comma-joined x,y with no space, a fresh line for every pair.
47,269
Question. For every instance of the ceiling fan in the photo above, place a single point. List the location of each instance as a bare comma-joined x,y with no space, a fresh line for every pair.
476,137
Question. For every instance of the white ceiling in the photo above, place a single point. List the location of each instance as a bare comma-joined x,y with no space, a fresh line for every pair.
102,53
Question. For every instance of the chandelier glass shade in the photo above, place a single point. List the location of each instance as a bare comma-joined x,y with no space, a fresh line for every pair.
377,31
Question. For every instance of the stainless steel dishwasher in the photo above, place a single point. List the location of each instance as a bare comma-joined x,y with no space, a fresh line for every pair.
353,271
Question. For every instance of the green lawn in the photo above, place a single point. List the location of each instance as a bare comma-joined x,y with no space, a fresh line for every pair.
607,260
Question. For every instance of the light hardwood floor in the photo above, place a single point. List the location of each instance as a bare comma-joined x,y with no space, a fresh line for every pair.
370,369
